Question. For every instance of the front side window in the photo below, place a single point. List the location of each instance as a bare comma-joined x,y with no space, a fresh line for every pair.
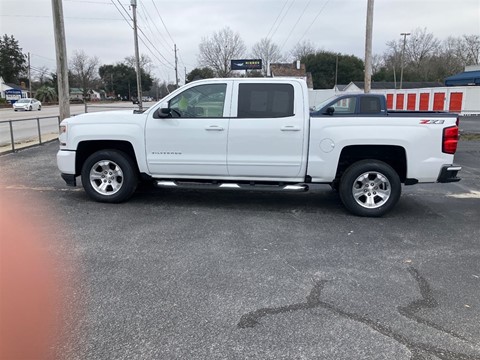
265,100
345,106
204,101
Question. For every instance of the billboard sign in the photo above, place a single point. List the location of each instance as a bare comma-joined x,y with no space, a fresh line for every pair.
246,64
12,95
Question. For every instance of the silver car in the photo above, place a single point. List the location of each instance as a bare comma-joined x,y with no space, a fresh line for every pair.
27,104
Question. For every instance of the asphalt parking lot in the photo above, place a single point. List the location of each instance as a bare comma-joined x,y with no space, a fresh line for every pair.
184,274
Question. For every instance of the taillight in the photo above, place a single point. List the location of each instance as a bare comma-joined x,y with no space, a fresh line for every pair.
450,140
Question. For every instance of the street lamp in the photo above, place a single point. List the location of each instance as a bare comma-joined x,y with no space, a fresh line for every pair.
403,55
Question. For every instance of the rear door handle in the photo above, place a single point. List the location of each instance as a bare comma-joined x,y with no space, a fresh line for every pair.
214,128
290,128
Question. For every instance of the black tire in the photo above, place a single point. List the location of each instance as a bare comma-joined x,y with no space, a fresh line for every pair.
30,108
109,176
370,188
40,108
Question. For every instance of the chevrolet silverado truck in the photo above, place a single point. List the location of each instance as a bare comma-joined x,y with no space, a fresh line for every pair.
259,134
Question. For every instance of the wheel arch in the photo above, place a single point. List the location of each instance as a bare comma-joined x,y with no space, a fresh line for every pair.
87,148
393,155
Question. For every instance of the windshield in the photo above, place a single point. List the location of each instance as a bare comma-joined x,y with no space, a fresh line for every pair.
21,101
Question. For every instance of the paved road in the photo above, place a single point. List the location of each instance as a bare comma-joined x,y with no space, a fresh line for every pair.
183,274
470,124
27,128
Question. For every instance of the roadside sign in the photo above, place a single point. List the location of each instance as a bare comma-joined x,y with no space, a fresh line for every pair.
246,64
12,95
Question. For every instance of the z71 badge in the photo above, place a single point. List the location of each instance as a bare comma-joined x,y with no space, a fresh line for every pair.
432,122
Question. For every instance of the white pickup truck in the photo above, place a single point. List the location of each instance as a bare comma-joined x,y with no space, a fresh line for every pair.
260,134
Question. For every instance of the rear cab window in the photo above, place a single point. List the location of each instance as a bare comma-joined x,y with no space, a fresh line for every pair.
265,100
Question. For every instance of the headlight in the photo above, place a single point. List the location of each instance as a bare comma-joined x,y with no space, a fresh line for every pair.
62,137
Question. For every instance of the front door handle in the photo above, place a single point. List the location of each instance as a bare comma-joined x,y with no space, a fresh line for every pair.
290,128
214,128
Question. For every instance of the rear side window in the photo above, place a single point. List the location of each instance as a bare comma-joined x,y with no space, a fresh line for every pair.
265,100
370,105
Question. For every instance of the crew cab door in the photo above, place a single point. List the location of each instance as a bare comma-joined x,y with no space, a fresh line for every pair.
267,130
192,139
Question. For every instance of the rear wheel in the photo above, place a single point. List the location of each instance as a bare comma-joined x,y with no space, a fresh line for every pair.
39,107
370,188
109,176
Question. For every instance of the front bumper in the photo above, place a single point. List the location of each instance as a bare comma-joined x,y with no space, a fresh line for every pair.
66,165
449,174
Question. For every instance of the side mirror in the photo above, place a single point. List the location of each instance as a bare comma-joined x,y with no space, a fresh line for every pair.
330,110
162,113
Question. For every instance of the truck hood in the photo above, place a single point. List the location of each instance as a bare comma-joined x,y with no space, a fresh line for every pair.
107,117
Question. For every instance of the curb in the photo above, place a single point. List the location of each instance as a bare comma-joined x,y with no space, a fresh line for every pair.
27,144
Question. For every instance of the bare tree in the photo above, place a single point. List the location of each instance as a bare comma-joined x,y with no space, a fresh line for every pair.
427,58
301,50
420,49
85,70
377,63
217,51
470,49
421,46
41,74
146,63
268,51
451,55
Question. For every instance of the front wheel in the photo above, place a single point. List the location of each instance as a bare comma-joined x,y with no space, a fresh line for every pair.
109,176
370,188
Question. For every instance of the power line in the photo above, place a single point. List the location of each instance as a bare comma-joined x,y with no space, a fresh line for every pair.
281,20
66,17
280,13
90,2
315,19
295,25
43,57
120,11
146,37
125,10
161,19
165,46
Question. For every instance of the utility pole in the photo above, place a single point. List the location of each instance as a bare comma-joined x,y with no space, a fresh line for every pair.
368,47
29,78
61,56
133,3
176,66
403,55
